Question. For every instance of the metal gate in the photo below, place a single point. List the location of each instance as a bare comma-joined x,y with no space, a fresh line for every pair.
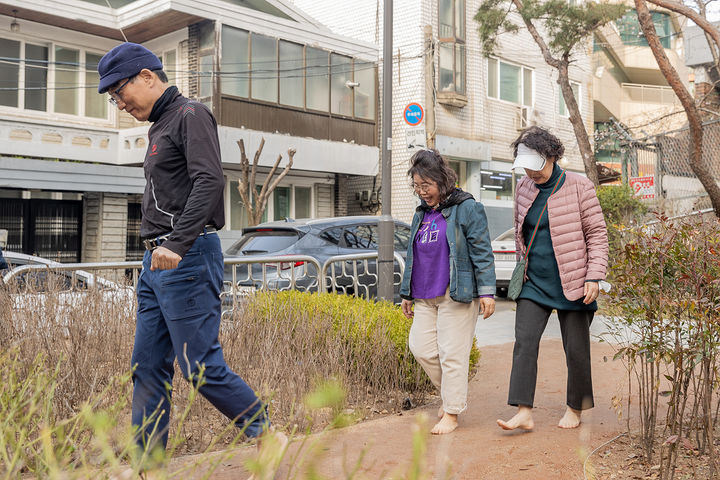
47,228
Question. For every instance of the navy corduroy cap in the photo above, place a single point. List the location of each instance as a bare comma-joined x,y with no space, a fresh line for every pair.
124,61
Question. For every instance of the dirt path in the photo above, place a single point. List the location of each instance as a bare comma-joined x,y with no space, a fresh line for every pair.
478,449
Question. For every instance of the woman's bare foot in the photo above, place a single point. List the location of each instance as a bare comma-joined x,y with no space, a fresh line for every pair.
447,424
522,419
571,419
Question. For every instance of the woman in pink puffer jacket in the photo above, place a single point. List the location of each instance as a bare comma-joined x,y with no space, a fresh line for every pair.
567,258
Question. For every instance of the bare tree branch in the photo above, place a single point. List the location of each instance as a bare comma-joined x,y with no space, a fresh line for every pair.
697,163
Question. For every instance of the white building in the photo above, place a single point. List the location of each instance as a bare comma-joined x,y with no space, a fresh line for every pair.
476,104
70,165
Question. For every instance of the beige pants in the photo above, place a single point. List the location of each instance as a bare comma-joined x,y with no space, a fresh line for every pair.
441,337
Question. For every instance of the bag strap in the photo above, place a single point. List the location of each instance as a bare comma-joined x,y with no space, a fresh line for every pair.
527,250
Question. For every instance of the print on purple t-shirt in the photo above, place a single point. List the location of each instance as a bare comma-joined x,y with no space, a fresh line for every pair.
431,258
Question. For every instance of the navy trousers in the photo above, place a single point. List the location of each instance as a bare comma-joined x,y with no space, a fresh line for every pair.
179,317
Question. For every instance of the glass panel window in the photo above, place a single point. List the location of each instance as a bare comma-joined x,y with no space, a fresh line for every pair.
291,74
365,91
9,72
303,202
446,67
206,76
341,98
509,82
492,81
445,18
460,68
361,236
235,62
527,87
317,82
95,105
170,66
36,67
66,80
281,203
264,82
562,107
460,19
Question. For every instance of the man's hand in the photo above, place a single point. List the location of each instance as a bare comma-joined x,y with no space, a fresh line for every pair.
592,290
164,259
487,306
407,308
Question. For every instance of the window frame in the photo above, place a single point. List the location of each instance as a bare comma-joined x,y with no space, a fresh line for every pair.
454,41
354,63
269,212
521,82
49,112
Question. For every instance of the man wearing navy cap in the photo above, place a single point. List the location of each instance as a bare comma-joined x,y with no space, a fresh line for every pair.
179,287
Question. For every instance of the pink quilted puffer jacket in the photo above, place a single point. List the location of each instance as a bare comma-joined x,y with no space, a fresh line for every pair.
577,229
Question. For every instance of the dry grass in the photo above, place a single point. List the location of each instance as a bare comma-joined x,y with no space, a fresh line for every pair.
283,345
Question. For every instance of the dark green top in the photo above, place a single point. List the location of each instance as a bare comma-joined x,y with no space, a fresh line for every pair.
543,285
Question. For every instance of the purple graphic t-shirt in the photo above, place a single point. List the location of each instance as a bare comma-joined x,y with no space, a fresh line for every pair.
431,258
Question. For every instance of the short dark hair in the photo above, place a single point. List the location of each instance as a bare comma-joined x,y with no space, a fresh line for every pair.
429,164
161,75
540,140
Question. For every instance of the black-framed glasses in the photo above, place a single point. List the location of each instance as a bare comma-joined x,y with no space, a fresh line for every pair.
115,96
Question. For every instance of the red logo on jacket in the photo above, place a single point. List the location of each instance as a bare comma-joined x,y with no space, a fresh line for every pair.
153,150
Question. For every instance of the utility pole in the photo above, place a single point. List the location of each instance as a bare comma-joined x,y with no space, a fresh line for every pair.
386,224
429,86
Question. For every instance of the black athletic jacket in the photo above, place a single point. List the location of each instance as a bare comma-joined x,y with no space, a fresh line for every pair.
184,190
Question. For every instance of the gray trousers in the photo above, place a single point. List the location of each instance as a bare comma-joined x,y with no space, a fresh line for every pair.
530,322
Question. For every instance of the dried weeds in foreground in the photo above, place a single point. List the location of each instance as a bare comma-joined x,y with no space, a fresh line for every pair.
283,345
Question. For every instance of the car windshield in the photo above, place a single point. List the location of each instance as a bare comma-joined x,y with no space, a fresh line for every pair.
262,242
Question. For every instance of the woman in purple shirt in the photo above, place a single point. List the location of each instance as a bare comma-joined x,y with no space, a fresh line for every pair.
449,277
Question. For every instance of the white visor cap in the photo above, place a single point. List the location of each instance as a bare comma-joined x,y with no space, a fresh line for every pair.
528,158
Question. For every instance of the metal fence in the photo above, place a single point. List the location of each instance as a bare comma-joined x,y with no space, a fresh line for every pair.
346,274
658,167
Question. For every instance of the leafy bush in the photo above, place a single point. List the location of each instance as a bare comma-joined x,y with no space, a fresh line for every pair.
666,295
620,207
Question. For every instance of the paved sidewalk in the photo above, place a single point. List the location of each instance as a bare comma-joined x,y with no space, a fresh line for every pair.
478,449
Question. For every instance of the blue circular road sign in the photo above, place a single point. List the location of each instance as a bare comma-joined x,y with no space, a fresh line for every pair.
414,114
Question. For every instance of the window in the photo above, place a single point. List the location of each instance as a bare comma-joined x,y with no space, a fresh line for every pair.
66,78
361,236
509,82
169,62
285,202
235,53
401,238
95,105
9,72
451,50
281,203
291,74
264,74
365,91
317,87
287,73
303,202
631,33
206,63
341,101
36,68
50,78
562,108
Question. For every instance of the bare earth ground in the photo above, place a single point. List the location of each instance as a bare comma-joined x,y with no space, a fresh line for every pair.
478,449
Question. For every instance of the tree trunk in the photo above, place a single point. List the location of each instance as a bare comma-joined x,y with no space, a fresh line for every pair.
697,163
576,120
581,134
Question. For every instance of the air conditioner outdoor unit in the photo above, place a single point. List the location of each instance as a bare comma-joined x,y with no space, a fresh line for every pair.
524,118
